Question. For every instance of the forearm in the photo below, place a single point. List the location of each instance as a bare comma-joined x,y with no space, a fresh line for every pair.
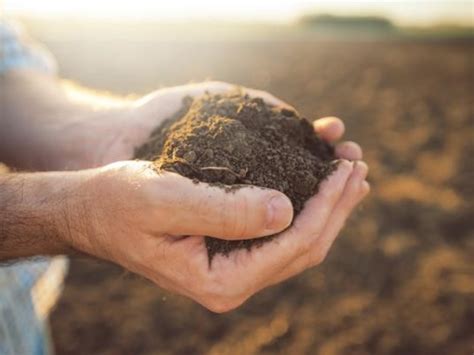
34,214
45,125
32,106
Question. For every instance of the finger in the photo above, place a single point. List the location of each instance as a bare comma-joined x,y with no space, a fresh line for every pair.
174,95
342,212
349,150
268,98
271,258
201,209
309,224
317,210
218,87
199,89
329,128
355,190
164,103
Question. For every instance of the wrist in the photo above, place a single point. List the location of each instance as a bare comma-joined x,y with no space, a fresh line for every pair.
35,214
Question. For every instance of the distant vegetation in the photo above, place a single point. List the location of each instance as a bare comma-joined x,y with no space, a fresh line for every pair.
347,23
308,27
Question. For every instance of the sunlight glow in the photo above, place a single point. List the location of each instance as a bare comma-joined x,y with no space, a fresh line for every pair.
162,10
402,11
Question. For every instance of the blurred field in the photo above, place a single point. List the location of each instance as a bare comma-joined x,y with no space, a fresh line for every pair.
400,279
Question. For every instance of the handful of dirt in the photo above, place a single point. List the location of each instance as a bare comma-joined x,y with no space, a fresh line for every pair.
237,140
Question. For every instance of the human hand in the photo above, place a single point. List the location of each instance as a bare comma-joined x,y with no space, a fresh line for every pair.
168,244
153,224
113,135
130,126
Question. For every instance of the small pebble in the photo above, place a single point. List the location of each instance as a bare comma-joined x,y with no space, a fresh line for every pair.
190,156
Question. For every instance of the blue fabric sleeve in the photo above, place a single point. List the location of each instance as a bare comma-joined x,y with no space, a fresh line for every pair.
19,51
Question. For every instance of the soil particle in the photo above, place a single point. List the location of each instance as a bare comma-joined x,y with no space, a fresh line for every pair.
237,140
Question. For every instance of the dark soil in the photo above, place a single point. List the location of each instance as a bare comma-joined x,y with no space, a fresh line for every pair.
234,140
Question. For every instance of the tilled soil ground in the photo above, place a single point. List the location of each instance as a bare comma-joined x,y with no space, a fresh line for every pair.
400,279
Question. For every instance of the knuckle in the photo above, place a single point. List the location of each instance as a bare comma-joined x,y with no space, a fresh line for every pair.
304,236
221,306
326,194
365,189
317,257
271,98
235,216
202,205
302,243
260,93
304,247
351,191
218,85
219,298
362,165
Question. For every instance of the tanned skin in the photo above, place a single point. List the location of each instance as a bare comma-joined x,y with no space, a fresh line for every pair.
75,191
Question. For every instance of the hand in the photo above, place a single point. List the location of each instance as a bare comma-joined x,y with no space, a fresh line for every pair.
113,135
154,225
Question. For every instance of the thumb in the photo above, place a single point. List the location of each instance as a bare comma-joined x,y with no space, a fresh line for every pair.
243,213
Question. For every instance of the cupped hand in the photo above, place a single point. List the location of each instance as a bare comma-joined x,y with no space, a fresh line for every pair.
130,127
154,223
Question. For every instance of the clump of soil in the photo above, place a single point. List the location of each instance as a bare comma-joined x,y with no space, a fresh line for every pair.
233,140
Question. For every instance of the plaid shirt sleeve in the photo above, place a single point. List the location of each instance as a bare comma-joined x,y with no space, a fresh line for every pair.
28,289
19,51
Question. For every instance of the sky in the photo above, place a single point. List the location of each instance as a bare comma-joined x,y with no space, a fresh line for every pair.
405,12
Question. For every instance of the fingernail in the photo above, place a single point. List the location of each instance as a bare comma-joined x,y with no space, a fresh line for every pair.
355,164
361,169
279,213
345,164
335,162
